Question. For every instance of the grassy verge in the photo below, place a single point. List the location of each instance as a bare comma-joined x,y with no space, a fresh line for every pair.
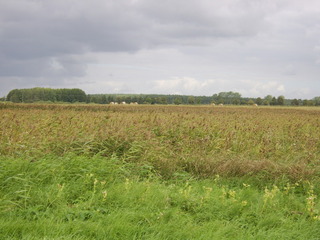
76,197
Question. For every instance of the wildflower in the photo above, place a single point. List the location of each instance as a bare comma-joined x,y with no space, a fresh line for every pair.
95,181
103,183
316,218
127,183
104,194
244,203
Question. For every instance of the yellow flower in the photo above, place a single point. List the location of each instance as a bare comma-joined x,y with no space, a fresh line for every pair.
104,194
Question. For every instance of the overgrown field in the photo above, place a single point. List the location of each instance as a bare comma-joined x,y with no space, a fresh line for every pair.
159,172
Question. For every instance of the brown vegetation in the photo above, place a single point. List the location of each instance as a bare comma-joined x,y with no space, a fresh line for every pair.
203,140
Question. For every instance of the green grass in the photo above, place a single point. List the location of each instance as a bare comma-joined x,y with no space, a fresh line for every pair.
77,197
159,172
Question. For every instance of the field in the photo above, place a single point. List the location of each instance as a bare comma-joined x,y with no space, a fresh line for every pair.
159,172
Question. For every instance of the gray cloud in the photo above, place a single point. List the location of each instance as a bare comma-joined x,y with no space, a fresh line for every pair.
35,29
54,43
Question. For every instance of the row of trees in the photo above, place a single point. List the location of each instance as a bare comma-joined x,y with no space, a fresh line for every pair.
78,95
47,94
229,98
148,99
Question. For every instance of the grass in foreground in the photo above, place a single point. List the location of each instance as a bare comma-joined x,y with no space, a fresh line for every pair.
76,197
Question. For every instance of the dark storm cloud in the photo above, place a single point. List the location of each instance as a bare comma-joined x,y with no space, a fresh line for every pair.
183,19
32,32
50,29
48,42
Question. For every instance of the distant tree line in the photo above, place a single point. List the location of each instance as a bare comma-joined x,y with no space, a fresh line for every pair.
148,99
78,95
47,95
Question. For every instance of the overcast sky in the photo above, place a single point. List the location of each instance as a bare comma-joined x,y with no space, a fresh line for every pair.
194,47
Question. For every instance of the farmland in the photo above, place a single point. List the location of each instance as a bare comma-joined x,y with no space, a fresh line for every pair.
159,172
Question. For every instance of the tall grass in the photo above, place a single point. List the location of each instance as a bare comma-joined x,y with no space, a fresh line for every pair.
76,197
204,141
158,172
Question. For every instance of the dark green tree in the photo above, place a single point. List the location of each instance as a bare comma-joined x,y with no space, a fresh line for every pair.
191,100
295,102
273,101
177,101
227,97
280,100
15,96
104,99
47,94
316,101
250,102
267,100
259,101
307,102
